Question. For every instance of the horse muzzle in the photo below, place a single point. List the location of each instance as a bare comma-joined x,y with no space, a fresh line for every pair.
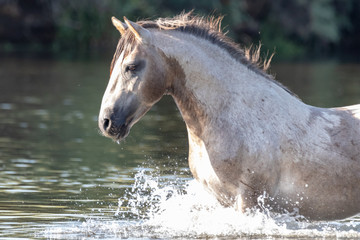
116,122
115,129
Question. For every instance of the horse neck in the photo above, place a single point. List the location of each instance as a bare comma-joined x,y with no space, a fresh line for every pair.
217,90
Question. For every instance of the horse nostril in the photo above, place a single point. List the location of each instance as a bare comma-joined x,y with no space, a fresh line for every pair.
106,124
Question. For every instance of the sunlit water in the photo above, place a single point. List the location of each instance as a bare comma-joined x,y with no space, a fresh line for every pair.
59,179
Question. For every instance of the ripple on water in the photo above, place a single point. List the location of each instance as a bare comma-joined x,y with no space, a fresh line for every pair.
6,106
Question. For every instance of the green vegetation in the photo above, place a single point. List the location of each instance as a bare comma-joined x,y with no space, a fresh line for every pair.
295,29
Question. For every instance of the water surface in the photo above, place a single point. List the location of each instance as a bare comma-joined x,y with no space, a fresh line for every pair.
60,179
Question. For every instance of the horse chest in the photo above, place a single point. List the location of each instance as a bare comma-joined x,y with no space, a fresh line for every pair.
199,162
208,175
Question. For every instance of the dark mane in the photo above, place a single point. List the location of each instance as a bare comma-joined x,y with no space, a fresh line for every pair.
208,28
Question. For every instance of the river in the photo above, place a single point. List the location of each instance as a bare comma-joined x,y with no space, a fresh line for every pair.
60,179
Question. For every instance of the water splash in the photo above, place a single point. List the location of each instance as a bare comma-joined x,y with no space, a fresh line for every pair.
155,208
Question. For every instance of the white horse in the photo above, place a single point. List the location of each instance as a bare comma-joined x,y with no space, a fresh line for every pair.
248,134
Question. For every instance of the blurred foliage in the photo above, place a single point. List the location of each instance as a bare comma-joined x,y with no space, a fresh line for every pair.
295,29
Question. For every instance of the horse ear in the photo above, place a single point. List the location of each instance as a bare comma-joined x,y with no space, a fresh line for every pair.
121,27
141,34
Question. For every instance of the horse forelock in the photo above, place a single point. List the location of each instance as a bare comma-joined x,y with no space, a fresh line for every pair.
126,45
208,28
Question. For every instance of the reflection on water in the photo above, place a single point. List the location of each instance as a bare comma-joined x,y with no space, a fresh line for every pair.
60,178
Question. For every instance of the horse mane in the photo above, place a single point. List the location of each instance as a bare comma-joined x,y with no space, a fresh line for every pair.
208,28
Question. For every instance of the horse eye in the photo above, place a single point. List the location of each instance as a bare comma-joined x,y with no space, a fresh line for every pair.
130,68
134,67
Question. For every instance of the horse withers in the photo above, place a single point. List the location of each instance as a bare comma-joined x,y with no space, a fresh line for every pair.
248,134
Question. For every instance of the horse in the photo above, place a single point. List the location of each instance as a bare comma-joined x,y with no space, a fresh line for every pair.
249,135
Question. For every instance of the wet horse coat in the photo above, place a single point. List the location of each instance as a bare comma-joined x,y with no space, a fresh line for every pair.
248,135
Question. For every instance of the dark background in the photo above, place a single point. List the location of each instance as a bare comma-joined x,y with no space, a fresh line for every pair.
294,29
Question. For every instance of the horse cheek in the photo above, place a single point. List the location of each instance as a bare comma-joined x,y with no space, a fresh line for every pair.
154,88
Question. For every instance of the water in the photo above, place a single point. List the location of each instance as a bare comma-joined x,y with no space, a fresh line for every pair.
59,179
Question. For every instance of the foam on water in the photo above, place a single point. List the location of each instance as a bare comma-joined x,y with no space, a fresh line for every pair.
182,208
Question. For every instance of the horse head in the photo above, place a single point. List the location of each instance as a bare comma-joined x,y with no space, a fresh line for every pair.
137,80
